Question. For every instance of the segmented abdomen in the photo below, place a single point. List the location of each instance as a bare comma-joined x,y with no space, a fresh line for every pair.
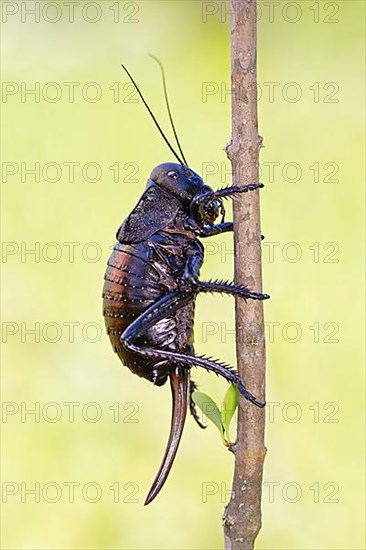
130,287
132,284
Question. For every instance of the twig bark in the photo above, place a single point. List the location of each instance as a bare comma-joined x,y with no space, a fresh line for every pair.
242,517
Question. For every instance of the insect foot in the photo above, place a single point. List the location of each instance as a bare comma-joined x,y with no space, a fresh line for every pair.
245,393
258,296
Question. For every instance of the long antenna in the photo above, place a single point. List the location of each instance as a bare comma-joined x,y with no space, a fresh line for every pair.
152,115
168,107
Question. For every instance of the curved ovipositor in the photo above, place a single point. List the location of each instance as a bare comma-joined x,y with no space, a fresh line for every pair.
180,386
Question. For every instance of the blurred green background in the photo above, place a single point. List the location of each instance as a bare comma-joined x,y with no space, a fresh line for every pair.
107,452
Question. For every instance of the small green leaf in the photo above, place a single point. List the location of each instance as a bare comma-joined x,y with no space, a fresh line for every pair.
229,406
210,409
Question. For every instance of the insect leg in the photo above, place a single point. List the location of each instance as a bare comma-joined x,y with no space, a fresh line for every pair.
227,192
190,280
217,229
166,306
226,287
221,369
192,406
210,231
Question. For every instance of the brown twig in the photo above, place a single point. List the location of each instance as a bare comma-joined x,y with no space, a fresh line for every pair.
242,517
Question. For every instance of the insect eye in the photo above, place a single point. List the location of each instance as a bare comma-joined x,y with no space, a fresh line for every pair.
174,175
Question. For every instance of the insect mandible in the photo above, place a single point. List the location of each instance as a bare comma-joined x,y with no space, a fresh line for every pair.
152,281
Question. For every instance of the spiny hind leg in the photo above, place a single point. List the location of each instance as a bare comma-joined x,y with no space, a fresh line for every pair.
162,308
221,369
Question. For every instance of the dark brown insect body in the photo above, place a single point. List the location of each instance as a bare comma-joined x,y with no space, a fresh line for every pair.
152,281
138,275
